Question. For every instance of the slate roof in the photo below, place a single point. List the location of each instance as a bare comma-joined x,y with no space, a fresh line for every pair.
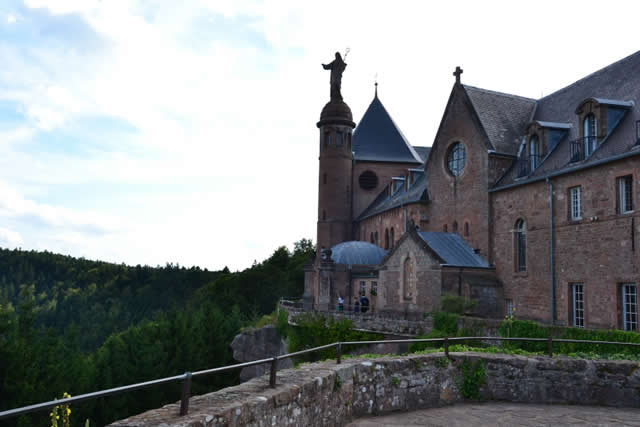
503,116
617,85
357,253
423,152
453,249
378,139
385,201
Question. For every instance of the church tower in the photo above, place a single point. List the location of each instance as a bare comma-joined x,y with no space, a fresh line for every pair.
336,163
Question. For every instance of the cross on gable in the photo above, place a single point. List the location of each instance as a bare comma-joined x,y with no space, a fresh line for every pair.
457,73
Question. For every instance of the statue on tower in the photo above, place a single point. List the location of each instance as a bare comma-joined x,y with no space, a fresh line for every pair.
337,67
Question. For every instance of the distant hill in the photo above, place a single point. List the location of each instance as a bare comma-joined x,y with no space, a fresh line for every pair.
75,325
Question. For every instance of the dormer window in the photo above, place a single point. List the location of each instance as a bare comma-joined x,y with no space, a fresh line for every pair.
534,152
590,134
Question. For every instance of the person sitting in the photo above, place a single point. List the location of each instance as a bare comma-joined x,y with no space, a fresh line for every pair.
340,303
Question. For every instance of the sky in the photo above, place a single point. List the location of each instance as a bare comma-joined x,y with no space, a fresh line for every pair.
154,132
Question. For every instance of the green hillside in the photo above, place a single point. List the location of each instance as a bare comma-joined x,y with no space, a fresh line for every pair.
74,325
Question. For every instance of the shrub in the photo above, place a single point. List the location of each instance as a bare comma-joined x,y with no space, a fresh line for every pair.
456,304
446,322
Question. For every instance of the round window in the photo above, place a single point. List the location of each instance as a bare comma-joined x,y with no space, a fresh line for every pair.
368,180
456,158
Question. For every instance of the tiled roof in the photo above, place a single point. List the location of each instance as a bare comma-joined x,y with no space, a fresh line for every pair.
423,152
503,116
618,86
453,249
378,139
384,202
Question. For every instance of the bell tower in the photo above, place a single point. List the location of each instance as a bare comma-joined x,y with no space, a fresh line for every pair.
336,163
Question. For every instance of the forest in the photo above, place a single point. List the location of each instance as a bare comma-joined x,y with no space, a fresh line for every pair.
71,325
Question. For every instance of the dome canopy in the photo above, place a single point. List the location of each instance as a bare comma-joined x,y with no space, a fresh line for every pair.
336,112
357,253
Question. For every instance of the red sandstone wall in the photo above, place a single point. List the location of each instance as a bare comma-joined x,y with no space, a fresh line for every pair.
463,198
596,253
385,171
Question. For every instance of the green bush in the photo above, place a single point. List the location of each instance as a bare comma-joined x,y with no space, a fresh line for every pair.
474,376
524,329
446,322
315,330
456,304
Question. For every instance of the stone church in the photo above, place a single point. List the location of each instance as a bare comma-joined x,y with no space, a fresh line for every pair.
522,205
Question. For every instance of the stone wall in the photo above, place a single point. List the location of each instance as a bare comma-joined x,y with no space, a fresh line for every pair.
327,394
384,323
599,251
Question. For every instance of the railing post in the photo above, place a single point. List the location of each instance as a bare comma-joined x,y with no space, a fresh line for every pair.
446,346
186,394
274,369
550,347
339,353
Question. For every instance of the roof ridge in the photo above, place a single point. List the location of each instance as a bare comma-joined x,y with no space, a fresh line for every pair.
595,73
494,92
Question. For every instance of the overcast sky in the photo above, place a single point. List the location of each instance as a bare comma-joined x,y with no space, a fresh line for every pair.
148,132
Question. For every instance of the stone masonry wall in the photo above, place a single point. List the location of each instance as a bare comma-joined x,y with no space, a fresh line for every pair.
599,251
327,394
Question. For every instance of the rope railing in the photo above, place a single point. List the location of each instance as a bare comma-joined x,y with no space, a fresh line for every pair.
187,376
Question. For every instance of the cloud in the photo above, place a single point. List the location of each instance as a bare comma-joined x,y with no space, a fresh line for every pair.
10,238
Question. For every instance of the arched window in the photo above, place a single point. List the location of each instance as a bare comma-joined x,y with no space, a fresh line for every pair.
445,228
520,245
534,152
456,159
393,239
590,134
376,236
466,229
386,238
455,227
372,241
408,278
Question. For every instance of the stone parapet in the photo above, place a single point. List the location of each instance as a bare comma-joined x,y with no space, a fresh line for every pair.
327,394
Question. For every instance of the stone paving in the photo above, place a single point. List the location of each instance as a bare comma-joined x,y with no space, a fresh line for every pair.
507,414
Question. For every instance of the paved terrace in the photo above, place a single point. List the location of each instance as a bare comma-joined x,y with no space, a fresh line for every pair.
507,414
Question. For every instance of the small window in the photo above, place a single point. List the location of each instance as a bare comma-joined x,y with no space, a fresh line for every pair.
455,226
590,134
393,239
445,228
456,159
376,236
338,139
509,309
534,152
327,138
625,194
577,304
386,238
576,203
630,306
520,244
372,241
466,229
374,288
363,288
